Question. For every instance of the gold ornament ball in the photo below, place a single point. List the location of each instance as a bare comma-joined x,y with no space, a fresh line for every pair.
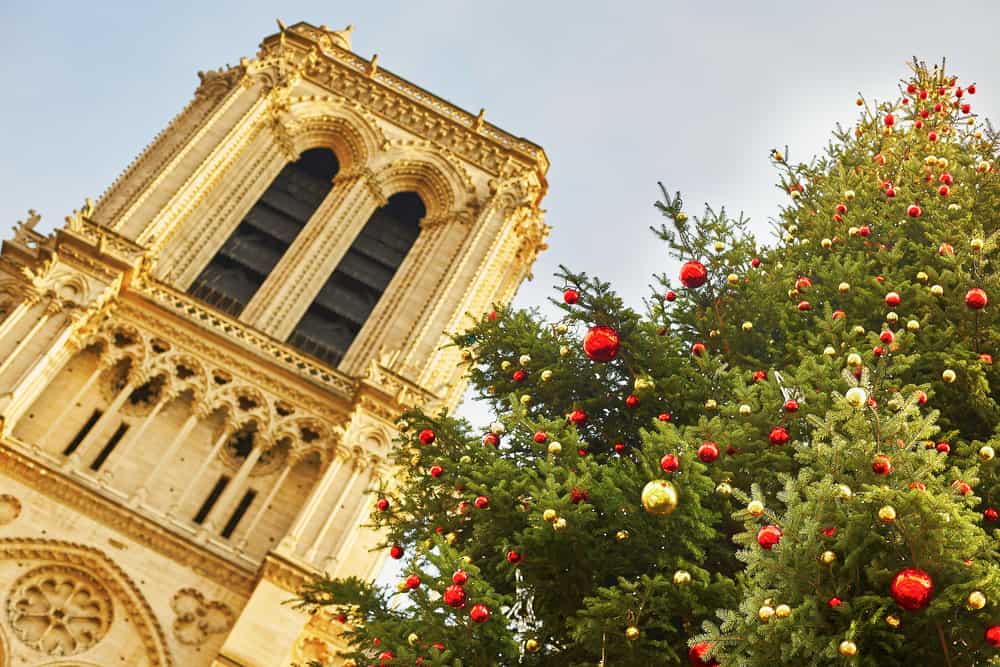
622,536
851,231
412,639
913,326
642,384
853,360
949,376
659,497
549,515
714,333
561,329
844,287
755,507
856,397
892,621
733,279
828,558
498,428
782,611
682,577
563,351
526,399
765,613
546,375
559,525
403,425
631,633
524,360
986,453
719,246
711,404
724,489
681,217
976,600
466,355
747,327
930,160
401,587
858,330
844,492
531,646
848,649
887,514
826,243
892,317
942,163
829,351
451,538
848,195
977,245
745,410
922,276
555,448
793,229
793,293
937,290
505,365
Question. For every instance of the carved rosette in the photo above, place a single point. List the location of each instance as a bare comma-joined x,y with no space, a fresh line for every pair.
198,618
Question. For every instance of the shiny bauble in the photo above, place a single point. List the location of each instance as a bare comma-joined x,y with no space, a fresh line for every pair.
693,274
844,492
745,410
986,453
887,514
561,328
682,577
856,397
848,649
505,365
546,375
555,448
828,557
564,351
913,326
911,588
601,343
844,288
479,613
732,280
711,404
622,536
498,428
532,646
559,525
708,452
854,360
747,327
755,508
412,639
768,536
992,635
977,245
724,489
631,633
524,360
454,596
976,299
937,290
829,351
549,515
976,600
892,621
765,613
949,376
782,611
696,654
659,497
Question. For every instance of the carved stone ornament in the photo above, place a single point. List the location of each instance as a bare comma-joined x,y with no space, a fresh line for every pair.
10,509
197,618
59,610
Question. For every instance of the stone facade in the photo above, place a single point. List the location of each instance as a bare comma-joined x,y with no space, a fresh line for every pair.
169,474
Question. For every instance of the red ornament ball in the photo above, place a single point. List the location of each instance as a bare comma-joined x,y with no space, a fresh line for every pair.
382,504
412,581
946,178
491,439
803,283
454,596
696,656
791,405
990,514
698,349
482,502
889,120
693,274
631,401
708,452
913,211
427,436
541,437
669,463
479,613
386,656
663,416
971,89
601,343
864,230
571,296
396,552
758,376
911,588
992,635
768,536
460,577
976,299
436,471
944,448
834,602
882,464
778,435
946,250
918,486
578,417
519,375
670,295
513,557
804,306
892,299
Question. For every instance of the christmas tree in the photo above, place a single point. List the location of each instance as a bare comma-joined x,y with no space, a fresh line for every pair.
787,459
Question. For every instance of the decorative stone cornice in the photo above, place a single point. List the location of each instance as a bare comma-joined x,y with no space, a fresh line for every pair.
286,574
59,487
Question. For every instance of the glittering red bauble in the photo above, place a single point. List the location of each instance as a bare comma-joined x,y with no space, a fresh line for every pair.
990,514
663,416
708,452
577,496
696,656
412,581
791,405
803,283
971,89
519,375
946,250
698,349
963,488
571,296
946,178
986,358
693,274
976,299
631,401
454,596
426,436
396,552
669,463
921,398
768,536
755,262
913,211
541,437
943,447
834,602
892,299
436,471
460,577
482,502
385,656
758,376
804,306
918,486
382,504
491,439
882,464
889,120
911,588
513,557
886,337
864,230
601,343
778,435
578,417
993,635
619,447
479,613
670,295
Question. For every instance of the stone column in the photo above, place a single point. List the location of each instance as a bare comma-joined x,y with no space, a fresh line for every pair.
87,386
51,308
339,552
14,318
293,460
333,510
139,497
290,542
231,496
73,462
227,432
285,296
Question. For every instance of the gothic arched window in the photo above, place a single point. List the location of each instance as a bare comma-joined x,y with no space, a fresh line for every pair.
349,295
251,252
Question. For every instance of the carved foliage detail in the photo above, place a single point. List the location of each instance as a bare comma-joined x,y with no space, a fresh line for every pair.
59,610
198,618
10,509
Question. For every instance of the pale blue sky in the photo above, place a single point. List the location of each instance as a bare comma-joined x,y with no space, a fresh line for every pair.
621,94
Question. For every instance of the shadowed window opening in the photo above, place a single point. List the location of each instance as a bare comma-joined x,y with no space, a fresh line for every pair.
238,513
351,292
240,267
82,433
213,498
110,447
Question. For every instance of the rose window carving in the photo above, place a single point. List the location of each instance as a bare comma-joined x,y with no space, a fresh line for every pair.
59,610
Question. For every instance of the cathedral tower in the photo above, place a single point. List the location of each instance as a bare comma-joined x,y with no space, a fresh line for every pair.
200,371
